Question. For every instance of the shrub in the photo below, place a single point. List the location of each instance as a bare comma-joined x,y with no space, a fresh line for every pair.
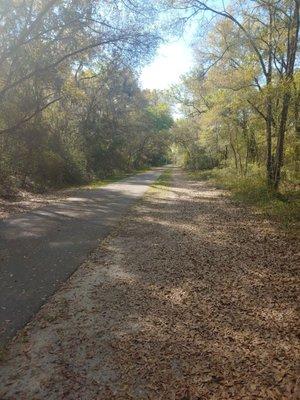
199,159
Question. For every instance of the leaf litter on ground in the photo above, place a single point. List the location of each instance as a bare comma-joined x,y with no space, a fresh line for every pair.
191,298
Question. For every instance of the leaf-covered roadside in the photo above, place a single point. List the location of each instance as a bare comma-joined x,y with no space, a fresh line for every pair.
283,207
192,298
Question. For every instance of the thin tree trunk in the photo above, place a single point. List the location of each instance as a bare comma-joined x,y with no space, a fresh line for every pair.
269,107
234,152
291,57
269,142
278,162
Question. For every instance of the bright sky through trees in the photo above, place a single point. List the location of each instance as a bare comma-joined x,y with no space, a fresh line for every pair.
172,60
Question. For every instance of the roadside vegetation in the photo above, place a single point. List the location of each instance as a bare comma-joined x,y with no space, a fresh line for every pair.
72,109
240,105
283,206
164,179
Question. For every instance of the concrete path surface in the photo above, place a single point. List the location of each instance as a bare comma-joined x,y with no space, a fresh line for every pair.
40,249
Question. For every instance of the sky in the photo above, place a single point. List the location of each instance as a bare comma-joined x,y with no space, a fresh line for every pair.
171,61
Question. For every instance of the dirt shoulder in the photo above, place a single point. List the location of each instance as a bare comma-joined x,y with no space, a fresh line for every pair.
24,201
191,298
27,201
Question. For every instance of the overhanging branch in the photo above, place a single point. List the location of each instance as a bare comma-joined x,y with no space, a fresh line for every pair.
28,118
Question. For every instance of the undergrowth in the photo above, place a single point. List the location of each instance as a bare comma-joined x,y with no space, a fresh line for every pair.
164,179
283,206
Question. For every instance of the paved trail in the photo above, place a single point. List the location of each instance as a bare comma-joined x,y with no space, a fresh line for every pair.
191,298
40,249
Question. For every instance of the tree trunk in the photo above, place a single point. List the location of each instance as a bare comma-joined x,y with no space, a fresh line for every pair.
234,152
278,162
291,57
269,143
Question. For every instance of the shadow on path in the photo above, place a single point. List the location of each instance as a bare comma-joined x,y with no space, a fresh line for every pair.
40,249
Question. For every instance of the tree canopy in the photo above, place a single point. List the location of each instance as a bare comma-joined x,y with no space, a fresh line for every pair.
71,105
242,99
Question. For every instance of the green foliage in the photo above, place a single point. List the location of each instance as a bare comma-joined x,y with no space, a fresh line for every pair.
75,167
199,159
71,106
75,141
164,179
241,102
50,167
6,183
252,190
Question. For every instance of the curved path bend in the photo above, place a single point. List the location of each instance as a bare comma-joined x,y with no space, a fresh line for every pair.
40,249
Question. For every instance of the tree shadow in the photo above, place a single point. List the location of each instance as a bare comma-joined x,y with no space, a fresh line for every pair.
192,299
40,249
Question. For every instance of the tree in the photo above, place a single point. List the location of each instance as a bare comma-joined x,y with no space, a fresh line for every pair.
42,41
71,106
271,33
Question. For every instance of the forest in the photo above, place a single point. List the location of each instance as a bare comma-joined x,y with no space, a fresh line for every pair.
241,103
73,110
71,106
149,199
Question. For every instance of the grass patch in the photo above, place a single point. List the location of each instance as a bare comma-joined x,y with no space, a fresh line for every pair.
252,190
202,175
105,181
113,178
164,179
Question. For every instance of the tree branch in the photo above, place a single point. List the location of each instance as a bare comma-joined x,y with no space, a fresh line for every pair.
226,14
28,118
59,61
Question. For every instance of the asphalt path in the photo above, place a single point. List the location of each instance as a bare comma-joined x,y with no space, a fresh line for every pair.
40,249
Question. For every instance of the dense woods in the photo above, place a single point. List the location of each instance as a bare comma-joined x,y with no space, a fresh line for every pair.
71,105
241,102
149,243
72,108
